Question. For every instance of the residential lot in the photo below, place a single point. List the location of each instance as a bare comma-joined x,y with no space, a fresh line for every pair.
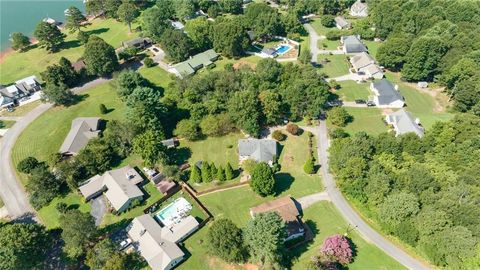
351,90
333,65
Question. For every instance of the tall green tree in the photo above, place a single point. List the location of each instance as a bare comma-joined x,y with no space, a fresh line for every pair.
392,52
264,235
230,38
23,246
166,8
188,129
199,31
19,41
111,8
127,12
48,36
155,22
206,172
225,240
149,146
422,60
184,9
262,182
63,73
58,94
127,81
98,256
264,20
229,173
177,44
231,6
78,230
100,57
195,174
245,110
74,19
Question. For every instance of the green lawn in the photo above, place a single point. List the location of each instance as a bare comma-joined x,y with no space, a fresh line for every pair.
372,47
21,110
323,218
50,216
46,134
156,75
337,65
35,60
326,44
319,28
6,123
369,120
420,104
351,90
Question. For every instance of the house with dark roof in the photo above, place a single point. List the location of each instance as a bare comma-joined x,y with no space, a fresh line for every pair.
260,150
403,122
269,53
120,187
359,9
139,43
386,95
288,211
342,23
352,44
196,62
83,129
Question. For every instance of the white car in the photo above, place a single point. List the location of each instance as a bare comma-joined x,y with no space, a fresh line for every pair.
125,243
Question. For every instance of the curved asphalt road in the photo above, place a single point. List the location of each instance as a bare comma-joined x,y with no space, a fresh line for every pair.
349,213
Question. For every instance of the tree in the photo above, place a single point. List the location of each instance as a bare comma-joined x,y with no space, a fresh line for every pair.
166,8
74,19
127,12
309,166
293,129
58,94
225,240
244,108
78,230
230,38
337,249
177,44
94,7
146,111
268,70
27,164
397,208
199,31
63,73
184,9
393,51
98,256
423,58
83,37
328,20
103,109
23,246
150,147
195,175
278,135
127,81
19,41
262,182
96,157
264,20
111,8
216,125
264,236
213,170
229,174
188,129
48,36
43,186
338,116
206,173
120,261
148,62
220,174
100,57
155,22
305,56
231,6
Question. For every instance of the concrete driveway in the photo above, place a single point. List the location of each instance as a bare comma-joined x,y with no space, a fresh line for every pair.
99,209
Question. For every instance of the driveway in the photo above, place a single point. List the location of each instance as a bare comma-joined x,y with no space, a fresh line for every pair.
351,215
314,38
347,77
308,200
98,209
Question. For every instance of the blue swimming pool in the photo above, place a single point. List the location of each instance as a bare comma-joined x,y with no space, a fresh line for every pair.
283,48
174,212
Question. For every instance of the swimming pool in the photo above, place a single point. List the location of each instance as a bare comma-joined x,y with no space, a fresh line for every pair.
283,48
174,212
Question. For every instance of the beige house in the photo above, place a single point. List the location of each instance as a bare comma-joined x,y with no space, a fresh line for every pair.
342,23
403,122
359,9
363,64
83,129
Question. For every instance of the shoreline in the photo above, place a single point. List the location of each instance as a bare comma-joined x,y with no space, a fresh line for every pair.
8,51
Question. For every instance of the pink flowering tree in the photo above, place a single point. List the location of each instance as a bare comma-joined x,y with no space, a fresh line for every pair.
336,248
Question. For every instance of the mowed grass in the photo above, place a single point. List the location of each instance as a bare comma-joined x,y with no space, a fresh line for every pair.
421,105
32,62
6,124
319,28
369,120
337,65
325,220
156,75
21,110
325,44
351,90
372,47
46,134
51,217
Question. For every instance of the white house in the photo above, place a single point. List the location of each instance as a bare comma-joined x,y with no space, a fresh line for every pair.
10,95
386,95
359,9
403,122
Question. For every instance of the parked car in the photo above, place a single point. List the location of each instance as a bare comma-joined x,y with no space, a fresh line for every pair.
360,101
155,49
125,243
10,109
371,103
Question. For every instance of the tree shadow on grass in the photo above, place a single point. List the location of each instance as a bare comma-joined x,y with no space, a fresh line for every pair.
293,254
70,44
97,31
180,155
283,181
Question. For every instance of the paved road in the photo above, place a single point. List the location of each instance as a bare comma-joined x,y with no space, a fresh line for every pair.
11,191
349,213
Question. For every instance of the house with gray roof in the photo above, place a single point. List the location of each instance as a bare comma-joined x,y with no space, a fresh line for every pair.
260,150
403,122
359,9
196,62
9,95
159,245
120,187
83,129
352,44
342,23
139,43
364,64
386,95
268,53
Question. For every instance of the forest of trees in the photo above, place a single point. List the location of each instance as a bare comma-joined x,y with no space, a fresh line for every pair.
433,41
424,191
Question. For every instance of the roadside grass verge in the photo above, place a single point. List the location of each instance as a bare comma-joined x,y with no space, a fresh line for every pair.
351,90
337,65
21,110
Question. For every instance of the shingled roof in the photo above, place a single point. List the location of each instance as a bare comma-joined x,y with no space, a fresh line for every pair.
83,129
261,150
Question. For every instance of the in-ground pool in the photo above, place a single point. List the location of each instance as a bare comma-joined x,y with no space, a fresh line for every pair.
174,212
283,49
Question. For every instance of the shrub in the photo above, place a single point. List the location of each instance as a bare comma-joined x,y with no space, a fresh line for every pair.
337,249
338,116
61,207
309,166
220,174
27,165
328,20
229,174
278,135
335,34
293,129
262,181
103,109
148,62
338,133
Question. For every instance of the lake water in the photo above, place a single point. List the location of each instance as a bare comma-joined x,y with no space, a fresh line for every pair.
23,15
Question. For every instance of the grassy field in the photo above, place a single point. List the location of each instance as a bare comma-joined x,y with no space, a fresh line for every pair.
319,28
50,216
372,47
351,90
420,104
45,135
337,66
6,123
369,120
326,44
21,110
156,75
32,62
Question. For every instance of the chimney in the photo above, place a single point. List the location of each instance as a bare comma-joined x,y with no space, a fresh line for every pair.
417,121
142,232
396,87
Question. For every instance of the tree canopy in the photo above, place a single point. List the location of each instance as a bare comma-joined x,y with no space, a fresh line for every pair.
100,57
225,240
262,181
